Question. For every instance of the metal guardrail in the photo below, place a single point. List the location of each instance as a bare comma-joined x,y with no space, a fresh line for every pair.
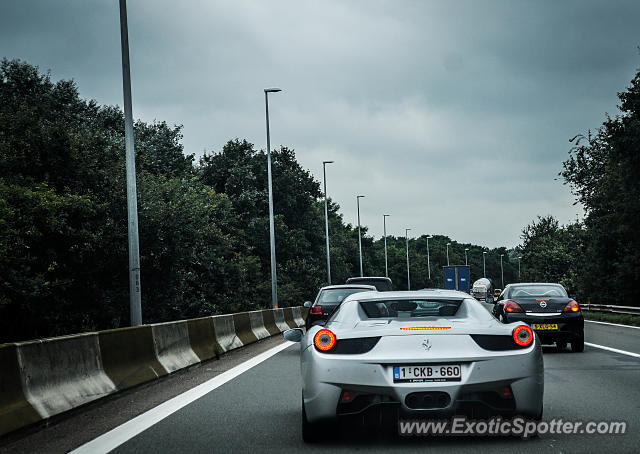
610,309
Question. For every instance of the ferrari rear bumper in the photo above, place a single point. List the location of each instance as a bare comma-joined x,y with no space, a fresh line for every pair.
490,385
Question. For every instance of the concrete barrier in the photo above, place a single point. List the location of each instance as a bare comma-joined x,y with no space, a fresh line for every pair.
129,356
173,348
225,332
42,378
202,338
242,323
269,319
288,317
15,409
280,322
62,373
257,325
297,315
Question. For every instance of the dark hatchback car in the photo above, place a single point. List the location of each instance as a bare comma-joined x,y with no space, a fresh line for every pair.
328,299
382,284
551,313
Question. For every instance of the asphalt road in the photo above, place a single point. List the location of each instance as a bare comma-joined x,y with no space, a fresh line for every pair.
259,410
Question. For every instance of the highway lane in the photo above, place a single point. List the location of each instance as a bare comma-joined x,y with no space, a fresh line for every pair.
616,336
260,410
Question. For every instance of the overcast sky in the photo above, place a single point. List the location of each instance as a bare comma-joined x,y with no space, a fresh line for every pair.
452,116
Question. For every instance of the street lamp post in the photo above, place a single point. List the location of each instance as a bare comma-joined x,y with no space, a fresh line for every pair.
326,218
448,253
502,270
384,225
484,263
519,257
359,235
465,256
428,263
274,282
406,237
135,305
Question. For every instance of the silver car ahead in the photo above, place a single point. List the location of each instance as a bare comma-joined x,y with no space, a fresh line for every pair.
429,353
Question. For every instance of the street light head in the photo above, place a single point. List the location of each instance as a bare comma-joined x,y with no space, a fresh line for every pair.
272,90
466,249
327,162
448,244
359,196
484,252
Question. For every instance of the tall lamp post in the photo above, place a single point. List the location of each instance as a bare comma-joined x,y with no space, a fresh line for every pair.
384,226
406,237
484,263
465,256
428,263
502,270
135,305
359,235
519,257
326,218
448,253
272,238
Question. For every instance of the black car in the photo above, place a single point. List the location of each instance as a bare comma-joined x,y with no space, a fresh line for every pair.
328,299
382,284
551,313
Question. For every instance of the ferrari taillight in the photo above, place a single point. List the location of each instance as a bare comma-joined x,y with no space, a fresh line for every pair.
522,335
572,306
512,306
324,340
347,396
316,310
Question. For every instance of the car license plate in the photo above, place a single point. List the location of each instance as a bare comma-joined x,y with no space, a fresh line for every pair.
544,326
432,373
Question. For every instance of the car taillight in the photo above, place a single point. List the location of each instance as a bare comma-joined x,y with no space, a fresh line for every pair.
316,310
511,306
347,396
324,340
522,335
572,306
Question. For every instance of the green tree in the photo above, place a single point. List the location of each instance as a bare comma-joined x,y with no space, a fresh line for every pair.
602,171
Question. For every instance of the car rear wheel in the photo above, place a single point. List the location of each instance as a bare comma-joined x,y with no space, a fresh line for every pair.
310,431
577,346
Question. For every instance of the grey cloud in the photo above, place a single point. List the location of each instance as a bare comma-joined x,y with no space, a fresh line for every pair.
433,109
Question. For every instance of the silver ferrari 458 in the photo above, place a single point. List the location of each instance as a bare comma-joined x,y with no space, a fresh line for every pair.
429,353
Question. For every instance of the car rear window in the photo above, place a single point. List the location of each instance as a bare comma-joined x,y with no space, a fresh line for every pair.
381,284
526,291
335,296
410,308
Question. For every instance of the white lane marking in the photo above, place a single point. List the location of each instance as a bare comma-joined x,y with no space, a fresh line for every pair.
115,437
615,350
612,324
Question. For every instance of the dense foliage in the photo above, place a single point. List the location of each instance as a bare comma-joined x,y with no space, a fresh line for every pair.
597,258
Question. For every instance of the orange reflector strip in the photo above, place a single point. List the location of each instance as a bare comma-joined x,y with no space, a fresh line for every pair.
414,328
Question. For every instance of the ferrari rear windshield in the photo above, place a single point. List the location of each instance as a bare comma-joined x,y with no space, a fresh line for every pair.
410,308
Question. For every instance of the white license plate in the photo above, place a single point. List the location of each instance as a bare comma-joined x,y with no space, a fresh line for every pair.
432,373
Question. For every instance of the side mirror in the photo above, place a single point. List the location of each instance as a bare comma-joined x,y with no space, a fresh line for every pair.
293,335
308,304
